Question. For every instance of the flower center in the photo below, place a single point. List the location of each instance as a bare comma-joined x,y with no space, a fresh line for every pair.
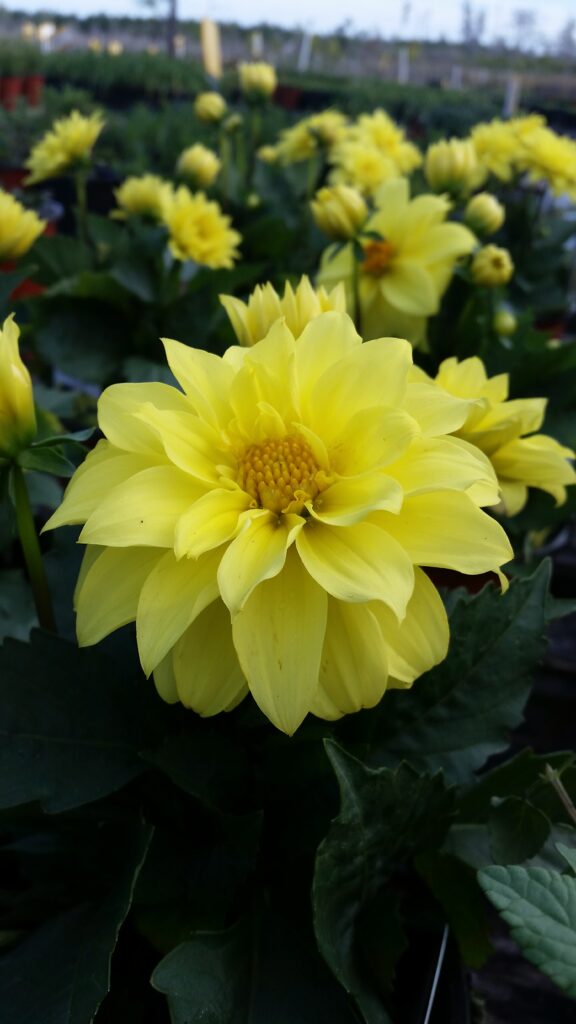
280,474
377,257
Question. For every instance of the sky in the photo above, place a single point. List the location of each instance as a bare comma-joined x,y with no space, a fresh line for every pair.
404,18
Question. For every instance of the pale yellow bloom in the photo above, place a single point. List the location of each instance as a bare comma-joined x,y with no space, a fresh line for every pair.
199,230
252,320
492,266
17,416
143,196
19,228
484,214
362,166
339,211
305,138
552,158
69,141
266,526
505,431
210,106
379,131
200,165
404,274
451,165
268,154
257,79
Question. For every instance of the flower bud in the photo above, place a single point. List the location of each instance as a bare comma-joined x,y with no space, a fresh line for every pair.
198,165
339,211
504,322
210,106
492,266
17,416
258,80
484,214
268,154
232,123
451,166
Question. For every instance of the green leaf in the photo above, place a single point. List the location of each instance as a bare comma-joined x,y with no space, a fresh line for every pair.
205,763
518,830
76,438
540,907
71,723
82,337
69,958
46,460
136,276
461,712
453,883
569,855
386,817
17,612
143,371
60,257
9,281
522,775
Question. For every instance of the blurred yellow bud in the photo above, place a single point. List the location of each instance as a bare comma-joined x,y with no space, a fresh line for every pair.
339,211
17,416
199,165
257,80
505,322
253,201
233,122
492,266
210,106
252,320
268,154
452,166
484,214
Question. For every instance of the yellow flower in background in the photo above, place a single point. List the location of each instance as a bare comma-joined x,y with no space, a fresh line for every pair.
19,228
404,273
501,146
257,80
268,154
232,123
484,214
304,139
451,165
265,526
505,322
505,431
210,106
17,416
379,131
252,320
492,266
552,158
200,165
362,166
339,211
143,196
69,141
199,230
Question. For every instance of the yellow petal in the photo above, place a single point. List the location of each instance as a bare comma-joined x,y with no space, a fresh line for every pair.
189,443
143,510
107,597
208,674
323,341
117,406
257,554
409,287
447,530
357,563
372,438
354,666
435,411
421,640
205,377
211,520
102,471
172,596
434,464
165,680
282,660
349,501
514,496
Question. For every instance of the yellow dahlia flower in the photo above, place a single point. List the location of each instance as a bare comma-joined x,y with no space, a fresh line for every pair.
19,228
378,130
303,139
17,416
500,428
339,211
402,276
266,525
200,165
552,158
451,165
492,266
142,196
69,141
199,230
257,80
252,320
362,166
484,214
210,106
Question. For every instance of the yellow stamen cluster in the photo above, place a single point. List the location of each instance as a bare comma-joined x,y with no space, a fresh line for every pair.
280,474
377,257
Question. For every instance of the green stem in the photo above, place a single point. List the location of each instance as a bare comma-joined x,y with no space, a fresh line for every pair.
81,206
225,157
554,779
31,550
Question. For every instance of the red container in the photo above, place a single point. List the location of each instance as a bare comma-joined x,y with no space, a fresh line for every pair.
10,90
33,89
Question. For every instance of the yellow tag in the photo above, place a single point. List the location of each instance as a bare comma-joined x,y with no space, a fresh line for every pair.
211,49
